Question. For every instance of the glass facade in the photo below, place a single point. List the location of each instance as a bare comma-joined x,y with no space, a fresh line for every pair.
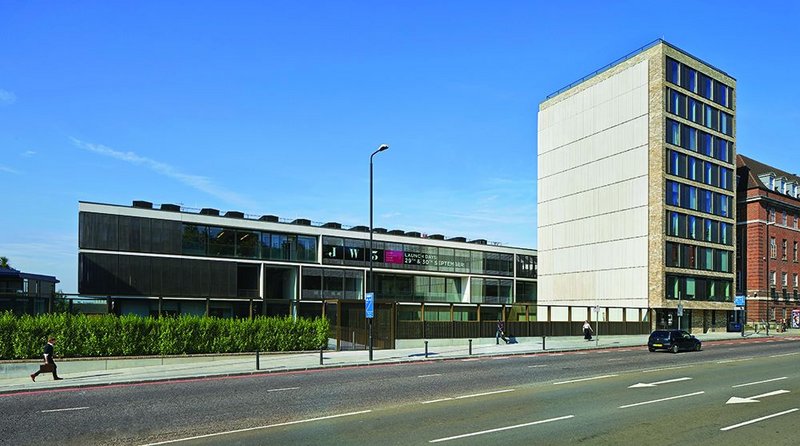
120,271
706,106
699,288
406,256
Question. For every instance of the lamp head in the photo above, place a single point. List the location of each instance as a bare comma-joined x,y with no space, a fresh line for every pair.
383,147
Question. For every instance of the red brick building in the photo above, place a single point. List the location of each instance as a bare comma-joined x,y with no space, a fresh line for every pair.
767,214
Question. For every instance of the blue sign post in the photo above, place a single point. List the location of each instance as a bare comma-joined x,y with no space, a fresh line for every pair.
369,304
738,301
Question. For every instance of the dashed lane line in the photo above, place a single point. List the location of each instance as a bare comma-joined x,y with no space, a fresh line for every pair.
289,423
468,396
64,410
661,400
500,429
745,423
760,382
583,379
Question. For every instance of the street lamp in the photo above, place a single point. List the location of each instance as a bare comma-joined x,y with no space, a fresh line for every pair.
371,282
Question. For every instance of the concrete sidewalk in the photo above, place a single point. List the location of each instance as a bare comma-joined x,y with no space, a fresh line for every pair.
84,372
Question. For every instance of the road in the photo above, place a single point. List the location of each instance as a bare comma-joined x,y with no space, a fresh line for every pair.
613,397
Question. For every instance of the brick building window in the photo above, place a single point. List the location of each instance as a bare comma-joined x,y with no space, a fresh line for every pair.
794,253
772,215
773,248
772,278
785,279
795,280
785,248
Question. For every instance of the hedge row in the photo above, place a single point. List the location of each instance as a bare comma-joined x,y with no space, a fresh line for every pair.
22,337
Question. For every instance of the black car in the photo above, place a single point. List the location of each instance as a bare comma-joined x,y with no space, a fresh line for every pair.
672,340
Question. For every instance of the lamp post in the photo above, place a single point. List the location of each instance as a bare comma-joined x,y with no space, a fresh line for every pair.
371,282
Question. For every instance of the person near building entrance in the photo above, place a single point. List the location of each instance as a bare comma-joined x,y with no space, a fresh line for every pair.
587,330
49,363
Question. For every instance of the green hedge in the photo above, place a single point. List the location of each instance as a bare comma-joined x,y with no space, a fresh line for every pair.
22,337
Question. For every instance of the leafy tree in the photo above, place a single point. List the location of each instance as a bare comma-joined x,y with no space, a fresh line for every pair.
4,262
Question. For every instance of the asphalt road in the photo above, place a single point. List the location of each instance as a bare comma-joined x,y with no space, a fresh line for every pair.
571,398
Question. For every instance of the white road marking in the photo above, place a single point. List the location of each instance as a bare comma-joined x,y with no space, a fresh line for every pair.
64,410
636,386
753,399
759,382
734,360
468,360
583,379
288,423
499,429
759,419
784,354
536,366
436,401
485,393
661,399
616,359
428,376
283,389
556,354
467,396
664,368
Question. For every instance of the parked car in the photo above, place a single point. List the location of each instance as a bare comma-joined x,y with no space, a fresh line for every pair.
673,340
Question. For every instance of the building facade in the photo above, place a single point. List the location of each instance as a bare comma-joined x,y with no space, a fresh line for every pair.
768,236
635,190
167,260
26,293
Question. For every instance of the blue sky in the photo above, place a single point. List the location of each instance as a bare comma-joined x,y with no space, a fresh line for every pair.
274,107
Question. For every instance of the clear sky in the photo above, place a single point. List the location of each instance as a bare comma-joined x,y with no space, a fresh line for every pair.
271,107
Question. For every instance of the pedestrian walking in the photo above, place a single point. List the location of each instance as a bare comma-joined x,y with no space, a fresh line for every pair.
587,331
500,334
49,363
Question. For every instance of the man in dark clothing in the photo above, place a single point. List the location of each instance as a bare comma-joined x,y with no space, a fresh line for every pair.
48,361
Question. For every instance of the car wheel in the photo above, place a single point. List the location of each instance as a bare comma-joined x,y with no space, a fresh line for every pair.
651,349
697,347
674,348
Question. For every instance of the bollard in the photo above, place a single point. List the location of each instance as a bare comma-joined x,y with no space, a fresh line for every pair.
258,366
426,349
543,345
470,347
321,347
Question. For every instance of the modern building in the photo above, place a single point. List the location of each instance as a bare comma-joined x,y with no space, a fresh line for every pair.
168,260
26,293
768,210
635,191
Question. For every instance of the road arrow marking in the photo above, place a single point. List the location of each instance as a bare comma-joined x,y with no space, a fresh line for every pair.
640,385
754,399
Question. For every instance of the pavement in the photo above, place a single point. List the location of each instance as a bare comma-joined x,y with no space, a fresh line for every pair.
91,372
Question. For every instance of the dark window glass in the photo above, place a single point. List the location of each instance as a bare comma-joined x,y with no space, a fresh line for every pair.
673,132
706,144
673,194
307,248
673,71
195,240
247,244
221,242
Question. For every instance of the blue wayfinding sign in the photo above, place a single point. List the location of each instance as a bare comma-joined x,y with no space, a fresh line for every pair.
369,303
738,301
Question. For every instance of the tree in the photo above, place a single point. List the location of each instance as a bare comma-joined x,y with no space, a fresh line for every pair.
4,262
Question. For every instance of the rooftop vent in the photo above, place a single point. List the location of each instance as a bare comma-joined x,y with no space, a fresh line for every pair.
209,211
234,214
457,239
142,204
413,234
170,207
379,230
436,236
332,225
301,222
360,229
478,241
272,218
397,232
